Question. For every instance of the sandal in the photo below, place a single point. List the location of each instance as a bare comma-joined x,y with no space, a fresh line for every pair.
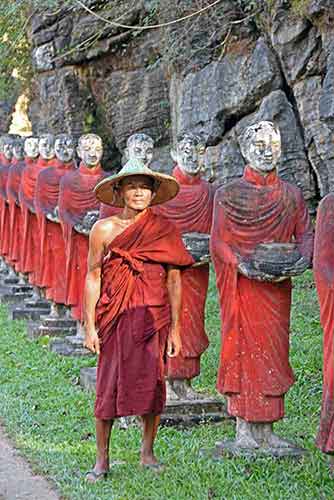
96,476
159,467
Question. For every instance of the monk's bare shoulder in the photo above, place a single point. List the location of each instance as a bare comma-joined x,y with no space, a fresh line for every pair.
105,230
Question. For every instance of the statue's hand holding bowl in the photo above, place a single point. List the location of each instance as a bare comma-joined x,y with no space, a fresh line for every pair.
296,269
53,216
246,268
80,228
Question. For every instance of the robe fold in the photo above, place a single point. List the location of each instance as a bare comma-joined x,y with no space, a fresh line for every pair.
53,258
324,277
76,198
133,317
15,217
4,209
31,237
254,369
191,211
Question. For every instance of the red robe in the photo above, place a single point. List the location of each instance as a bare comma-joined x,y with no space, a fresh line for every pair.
324,278
4,208
15,217
133,317
191,211
53,258
76,198
31,238
254,366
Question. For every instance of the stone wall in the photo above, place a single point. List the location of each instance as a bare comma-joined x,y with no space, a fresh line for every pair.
278,65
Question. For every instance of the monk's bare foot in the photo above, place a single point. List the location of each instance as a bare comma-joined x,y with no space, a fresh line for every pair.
149,461
180,389
275,441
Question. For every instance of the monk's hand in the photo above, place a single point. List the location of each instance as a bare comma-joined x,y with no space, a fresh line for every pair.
92,341
174,344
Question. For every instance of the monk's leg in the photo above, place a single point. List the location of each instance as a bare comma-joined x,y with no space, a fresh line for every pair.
103,431
150,429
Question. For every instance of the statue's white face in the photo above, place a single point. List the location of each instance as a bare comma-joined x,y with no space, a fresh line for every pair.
46,146
90,150
263,150
140,150
188,156
18,150
31,148
64,148
8,150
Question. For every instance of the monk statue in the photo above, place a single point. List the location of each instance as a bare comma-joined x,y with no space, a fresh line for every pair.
132,305
139,146
191,211
8,143
78,210
261,236
31,237
13,185
53,262
323,268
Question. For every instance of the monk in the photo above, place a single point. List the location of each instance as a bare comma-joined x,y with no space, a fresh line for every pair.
132,305
254,371
53,262
13,184
138,147
8,143
191,211
78,210
324,277
31,237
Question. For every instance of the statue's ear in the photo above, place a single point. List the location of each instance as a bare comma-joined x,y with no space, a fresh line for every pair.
126,154
173,154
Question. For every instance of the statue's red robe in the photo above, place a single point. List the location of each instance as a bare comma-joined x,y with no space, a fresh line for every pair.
15,215
31,253
76,198
254,369
133,317
4,208
191,211
324,277
53,258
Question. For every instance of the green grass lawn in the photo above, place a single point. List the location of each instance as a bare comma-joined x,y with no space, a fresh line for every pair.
51,420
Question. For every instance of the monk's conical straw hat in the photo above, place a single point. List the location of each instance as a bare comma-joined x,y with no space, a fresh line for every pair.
166,187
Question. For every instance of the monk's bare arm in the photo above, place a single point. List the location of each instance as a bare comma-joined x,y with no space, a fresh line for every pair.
174,287
93,284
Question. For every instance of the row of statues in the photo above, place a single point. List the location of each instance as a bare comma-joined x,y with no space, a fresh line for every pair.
261,236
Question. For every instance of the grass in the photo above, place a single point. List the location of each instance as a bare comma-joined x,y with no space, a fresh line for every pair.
51,420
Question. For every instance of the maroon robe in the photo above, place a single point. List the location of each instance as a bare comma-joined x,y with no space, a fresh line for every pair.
15,215
254,369
76,198
31,238
4,209
324,278
191,211
133,317
53,258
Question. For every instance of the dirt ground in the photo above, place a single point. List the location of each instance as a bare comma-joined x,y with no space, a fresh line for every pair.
17,481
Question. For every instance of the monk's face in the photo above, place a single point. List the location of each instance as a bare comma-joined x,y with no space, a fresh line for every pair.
64,148
18,150
90,150
265,150
189,155
137,192
141,150
46,146
8,150
31,147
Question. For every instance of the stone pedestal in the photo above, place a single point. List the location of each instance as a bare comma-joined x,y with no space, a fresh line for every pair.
178,413
69,346
52,327
229,449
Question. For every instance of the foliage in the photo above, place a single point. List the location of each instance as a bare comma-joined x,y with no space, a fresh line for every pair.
50,418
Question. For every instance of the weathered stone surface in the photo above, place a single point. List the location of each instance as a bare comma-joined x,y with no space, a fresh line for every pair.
225,91
6,110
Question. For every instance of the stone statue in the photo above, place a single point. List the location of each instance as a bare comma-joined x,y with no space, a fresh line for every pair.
78,210
190,211
8,143
53,261
256,218
140,147
323,269
39,157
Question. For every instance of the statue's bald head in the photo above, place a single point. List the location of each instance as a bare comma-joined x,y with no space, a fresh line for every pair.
90,149
260,145
189,153
140,147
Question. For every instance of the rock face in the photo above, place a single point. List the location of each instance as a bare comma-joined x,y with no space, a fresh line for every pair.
213,76
6,110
